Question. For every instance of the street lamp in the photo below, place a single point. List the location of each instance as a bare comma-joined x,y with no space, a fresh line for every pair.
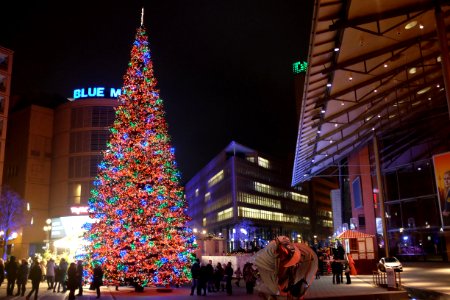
47,230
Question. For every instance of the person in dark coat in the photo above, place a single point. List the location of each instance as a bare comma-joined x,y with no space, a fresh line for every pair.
35,277
22,277
195,273
229,276
63,266
80,277
11,269
218,276
72,280
210,271
202,280
97,280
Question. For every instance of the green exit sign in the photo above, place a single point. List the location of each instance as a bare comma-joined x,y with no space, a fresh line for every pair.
299,67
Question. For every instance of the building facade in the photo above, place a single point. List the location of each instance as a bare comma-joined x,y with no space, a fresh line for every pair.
245,197
6,62
51,162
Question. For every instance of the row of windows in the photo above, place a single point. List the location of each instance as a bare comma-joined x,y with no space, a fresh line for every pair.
92,116
216,178
252,213
326,223
225,214
84,166
267,189
325,213
86,141
258,200
218,204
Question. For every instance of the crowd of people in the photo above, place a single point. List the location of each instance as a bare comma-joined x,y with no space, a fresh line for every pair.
334,261
60,277
219,278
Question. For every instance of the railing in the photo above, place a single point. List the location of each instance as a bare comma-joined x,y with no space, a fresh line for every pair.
381,279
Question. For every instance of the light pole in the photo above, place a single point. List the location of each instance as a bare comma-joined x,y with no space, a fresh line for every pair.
47,229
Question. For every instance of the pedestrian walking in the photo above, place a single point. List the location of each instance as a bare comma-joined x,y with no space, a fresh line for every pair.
97,281
238,274
22,277
195,273
63,266
50,269
11,269
80,279
72,280
229,276
35,277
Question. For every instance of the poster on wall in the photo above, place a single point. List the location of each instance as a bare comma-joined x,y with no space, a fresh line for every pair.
441,164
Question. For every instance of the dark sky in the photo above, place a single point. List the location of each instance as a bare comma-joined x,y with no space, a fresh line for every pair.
224,67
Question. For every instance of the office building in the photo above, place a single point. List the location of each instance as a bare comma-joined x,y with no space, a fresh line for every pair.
53,150
244,196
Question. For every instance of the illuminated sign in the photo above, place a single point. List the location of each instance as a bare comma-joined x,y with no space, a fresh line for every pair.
299,67
79,210
98,92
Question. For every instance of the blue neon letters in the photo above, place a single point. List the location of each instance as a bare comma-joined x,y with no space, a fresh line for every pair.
95,92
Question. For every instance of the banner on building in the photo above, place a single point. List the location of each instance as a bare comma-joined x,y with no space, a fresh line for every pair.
441,164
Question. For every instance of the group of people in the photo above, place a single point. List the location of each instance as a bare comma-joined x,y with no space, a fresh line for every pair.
60,277
206,277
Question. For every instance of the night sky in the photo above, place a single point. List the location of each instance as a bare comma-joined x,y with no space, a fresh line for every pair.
224,68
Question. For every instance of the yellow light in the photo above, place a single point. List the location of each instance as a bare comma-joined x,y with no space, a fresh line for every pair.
410,25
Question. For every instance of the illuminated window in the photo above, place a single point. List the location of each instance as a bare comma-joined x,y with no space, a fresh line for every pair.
325,213
225,214
77,193
262,162
216,178
219,203
299,197
327,223
251,213
258,200
204,221
250,159
207,197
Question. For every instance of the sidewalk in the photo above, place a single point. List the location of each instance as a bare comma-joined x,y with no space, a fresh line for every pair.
322,288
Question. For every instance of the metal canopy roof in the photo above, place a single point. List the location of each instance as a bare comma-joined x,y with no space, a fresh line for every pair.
374,67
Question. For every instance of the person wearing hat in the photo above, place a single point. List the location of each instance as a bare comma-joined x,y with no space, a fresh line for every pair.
285,268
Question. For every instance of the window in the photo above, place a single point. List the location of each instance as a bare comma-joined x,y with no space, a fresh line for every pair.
299,197
262,162
207,196
225,214
251,213
216,178
258,200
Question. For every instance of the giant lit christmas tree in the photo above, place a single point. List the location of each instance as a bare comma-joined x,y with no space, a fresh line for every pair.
139,205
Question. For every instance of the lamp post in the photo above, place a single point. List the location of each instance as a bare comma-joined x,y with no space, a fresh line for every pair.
47,229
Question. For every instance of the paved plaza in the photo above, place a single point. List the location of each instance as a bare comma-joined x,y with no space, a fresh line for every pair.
321,288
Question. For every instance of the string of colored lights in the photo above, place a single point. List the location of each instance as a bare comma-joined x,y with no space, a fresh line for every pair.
140,233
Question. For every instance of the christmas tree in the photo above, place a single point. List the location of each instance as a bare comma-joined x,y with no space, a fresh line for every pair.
140,231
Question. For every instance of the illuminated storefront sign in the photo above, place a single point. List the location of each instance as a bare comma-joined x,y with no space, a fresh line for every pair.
96,92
